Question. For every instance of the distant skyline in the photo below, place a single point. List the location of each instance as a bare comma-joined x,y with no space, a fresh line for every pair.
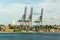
12,10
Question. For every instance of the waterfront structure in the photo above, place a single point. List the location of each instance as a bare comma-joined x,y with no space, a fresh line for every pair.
41,17
39,21
22,21
30,17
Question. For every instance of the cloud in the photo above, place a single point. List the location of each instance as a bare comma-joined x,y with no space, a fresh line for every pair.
51,12
54,1
55,17
15,11
12,11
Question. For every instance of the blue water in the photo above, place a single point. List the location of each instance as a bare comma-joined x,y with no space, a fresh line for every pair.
29,36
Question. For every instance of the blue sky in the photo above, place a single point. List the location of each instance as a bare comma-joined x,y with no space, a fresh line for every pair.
23,1
12,10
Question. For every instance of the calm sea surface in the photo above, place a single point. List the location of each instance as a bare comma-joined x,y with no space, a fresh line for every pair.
29,36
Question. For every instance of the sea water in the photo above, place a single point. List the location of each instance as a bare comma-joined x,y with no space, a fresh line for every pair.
30,36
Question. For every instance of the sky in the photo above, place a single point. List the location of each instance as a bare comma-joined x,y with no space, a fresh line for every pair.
12,10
